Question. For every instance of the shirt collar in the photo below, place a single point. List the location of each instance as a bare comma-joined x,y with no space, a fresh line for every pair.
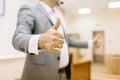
47,8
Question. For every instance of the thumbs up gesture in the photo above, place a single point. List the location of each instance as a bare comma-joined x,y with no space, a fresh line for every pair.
52,40
96,41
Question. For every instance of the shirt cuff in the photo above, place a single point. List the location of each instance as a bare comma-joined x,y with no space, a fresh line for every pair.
90,43
33,44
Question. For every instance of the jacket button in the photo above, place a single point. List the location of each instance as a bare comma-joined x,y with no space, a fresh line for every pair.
58,57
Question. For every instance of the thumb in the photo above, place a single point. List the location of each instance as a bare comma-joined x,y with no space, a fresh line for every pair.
97,37
57,24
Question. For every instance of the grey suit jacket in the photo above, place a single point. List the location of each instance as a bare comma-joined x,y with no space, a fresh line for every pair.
32,21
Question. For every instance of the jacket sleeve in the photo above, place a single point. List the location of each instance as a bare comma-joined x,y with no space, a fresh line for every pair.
73,42
25,26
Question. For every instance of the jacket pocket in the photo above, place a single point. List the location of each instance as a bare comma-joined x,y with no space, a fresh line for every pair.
36,59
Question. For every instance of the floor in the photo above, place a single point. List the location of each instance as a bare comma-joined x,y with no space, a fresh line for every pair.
98,72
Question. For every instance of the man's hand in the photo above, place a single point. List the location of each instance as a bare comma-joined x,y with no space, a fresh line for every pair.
96,41
52,40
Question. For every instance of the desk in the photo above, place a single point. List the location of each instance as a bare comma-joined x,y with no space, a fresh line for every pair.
81,70
80,67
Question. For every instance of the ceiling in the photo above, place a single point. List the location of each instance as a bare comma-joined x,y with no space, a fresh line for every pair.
95,5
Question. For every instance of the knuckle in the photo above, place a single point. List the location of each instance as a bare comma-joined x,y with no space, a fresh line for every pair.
54,32
56,50
54,38
63,40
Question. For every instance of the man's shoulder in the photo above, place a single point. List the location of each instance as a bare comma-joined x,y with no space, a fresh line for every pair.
26,6
30,7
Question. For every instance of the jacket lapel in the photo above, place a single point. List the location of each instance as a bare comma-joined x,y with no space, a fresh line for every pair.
41,9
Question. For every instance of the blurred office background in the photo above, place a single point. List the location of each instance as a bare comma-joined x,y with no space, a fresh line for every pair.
98,17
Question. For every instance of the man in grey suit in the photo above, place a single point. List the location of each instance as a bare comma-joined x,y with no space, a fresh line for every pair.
40,34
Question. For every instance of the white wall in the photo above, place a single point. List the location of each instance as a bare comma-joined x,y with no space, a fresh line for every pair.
8,25
10,69
108,21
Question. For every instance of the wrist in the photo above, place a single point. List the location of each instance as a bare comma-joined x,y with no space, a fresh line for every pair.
40,43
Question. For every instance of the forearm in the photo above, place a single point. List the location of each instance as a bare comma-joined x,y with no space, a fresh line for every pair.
20,41
23,32
72,42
